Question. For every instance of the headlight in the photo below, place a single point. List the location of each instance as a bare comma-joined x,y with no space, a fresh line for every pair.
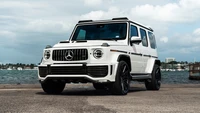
47,54
97,53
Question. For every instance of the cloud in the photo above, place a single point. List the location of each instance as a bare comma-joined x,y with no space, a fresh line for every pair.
7,34
164,39
93,3
21,4
197,32
7,37
181,43
161,18
196,36
95,15
100,14
47,26
30,25
189,50
183,11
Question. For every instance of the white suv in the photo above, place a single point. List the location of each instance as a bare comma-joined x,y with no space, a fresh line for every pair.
108,53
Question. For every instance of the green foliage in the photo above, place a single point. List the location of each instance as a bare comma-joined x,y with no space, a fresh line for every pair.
5,66
173,64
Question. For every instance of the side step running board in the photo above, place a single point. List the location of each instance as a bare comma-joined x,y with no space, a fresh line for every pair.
140,76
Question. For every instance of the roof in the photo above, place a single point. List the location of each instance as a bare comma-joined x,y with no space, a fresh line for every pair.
120,19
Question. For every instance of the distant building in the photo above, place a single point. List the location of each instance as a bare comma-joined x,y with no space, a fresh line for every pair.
167,60
35,68
27,68
19,68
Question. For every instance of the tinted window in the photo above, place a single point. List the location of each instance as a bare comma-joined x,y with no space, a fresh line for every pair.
81,34
101,32
134,31
144,37
152,40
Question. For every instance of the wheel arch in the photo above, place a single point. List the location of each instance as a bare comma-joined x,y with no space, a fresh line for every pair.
125,58
157,62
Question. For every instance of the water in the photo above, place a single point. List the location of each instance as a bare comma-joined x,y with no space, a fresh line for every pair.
30,77
177,77
18,77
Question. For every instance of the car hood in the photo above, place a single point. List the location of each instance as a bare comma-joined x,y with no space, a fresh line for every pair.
88,43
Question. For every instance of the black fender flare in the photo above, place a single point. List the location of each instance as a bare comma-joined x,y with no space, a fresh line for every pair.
158,62
125,58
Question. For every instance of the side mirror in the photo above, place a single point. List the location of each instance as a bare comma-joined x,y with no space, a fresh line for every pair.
135,39
48,46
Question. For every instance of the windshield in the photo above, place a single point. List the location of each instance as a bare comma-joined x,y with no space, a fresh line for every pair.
111,31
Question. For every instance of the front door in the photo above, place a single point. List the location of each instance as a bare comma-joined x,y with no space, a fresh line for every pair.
136,52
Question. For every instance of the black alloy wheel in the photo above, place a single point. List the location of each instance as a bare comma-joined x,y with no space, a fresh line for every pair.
155,82
122,81
51,87
125,81
99,86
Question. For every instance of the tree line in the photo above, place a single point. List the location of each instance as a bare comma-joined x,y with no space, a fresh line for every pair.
5,66
175,64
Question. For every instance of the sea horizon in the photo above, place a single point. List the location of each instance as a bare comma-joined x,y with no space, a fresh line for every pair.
31,77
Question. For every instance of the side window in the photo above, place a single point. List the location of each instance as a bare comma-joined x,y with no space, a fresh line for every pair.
152,40
134,31
81,35
144,37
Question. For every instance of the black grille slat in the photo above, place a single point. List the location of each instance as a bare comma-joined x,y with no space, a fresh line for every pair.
61,55
68,70
78,54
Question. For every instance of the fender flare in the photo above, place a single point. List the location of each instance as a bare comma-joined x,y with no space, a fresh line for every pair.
158,62
126,58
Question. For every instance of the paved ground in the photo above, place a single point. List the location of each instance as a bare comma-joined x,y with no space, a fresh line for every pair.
83,98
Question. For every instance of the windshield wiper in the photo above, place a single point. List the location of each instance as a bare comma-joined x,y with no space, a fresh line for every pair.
80,40
115,39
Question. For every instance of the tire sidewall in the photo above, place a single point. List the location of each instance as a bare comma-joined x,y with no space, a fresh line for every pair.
156,68
51,87
118,79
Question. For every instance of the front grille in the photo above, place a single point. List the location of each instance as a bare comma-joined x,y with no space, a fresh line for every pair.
93,71
73,70
77,55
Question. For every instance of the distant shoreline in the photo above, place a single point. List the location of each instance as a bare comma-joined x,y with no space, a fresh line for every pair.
18,70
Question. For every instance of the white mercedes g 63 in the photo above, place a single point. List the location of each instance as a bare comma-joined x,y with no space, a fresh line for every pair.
107,53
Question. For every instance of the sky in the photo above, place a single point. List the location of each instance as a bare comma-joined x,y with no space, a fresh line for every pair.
27,26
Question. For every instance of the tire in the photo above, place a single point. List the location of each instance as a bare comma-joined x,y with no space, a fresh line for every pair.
122,81
155,82
51,87
99,86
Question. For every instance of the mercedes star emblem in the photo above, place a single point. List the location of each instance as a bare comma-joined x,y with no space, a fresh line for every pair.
69,55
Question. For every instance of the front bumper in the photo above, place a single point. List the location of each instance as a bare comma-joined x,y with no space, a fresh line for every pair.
78,72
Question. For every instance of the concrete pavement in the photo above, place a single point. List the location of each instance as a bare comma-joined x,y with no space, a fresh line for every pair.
83,98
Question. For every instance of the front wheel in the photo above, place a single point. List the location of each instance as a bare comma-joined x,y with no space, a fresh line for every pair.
122,81
155,82
99,86
51,87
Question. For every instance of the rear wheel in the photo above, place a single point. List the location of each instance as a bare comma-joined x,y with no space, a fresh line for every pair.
51,87
155,82
122,81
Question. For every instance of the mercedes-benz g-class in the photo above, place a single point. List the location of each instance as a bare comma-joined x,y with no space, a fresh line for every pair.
107,53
